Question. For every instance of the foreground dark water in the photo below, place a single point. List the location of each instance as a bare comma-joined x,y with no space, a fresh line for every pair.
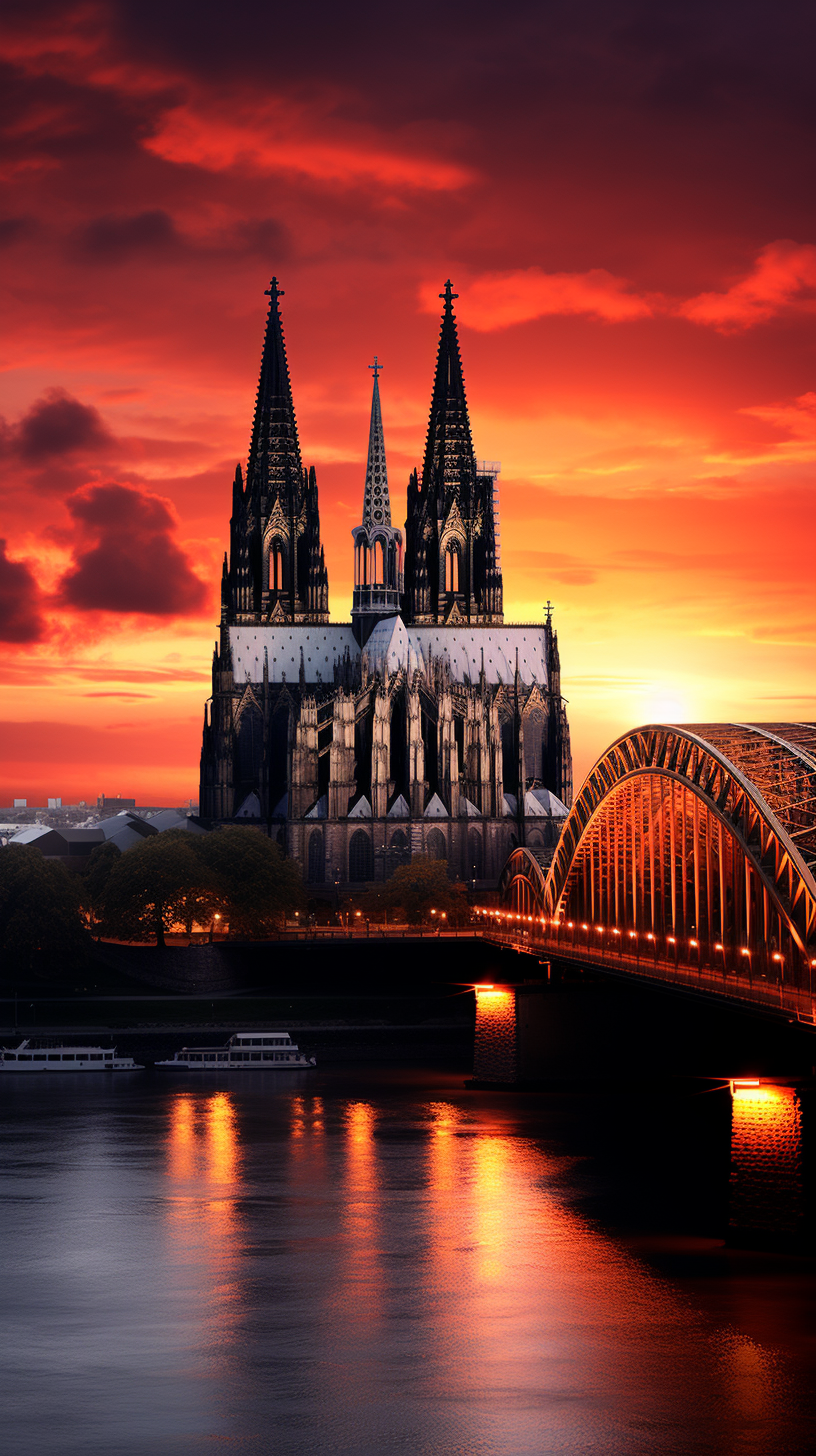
382,1262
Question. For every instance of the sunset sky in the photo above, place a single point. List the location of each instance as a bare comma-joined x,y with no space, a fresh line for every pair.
623,197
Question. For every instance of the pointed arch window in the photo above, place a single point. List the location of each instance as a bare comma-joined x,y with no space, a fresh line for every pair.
378,572
276,566
452,568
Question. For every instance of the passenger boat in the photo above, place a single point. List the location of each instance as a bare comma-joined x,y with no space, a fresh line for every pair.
37,1055
246,1051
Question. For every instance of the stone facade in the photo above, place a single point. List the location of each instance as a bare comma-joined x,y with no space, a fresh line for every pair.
426,725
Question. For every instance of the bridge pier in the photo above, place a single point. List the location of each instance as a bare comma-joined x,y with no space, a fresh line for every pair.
771,1202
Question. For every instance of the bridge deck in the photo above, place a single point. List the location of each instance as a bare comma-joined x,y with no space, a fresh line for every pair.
749,989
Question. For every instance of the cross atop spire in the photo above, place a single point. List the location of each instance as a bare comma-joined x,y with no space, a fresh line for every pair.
449,296
376,503
274,451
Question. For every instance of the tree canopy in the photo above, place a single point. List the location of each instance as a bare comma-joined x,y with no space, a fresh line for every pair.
254,885
42,932
178,878
416,889
157,884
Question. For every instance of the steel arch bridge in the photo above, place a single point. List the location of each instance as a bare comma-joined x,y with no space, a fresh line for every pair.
688,855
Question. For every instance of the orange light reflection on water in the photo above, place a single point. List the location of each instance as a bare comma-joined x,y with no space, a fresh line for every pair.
203,1166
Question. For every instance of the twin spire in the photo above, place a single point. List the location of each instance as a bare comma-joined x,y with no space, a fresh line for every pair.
448,571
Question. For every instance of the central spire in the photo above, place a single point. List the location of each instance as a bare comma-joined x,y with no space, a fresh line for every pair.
449,448
274,452
376,501
378,548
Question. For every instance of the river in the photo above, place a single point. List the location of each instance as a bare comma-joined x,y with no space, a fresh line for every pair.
383,1261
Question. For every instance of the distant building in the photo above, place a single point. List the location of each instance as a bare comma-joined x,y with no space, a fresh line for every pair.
113,806
55,803
21,803
425,725
74,847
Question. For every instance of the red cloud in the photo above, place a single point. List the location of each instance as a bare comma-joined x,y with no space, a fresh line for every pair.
20,619
270,138
783,272
132,562
497,300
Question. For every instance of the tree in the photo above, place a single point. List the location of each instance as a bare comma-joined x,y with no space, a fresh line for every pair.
41,927
95,879
154,886
255,886
420,887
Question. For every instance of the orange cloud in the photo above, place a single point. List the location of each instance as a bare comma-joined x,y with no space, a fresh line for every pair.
497,300
784,274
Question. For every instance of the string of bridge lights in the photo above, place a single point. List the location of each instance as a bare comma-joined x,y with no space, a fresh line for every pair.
510,915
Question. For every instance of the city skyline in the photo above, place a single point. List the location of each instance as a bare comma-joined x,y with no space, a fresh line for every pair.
631,245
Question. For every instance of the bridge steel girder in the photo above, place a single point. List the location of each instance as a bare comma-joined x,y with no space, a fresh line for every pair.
679,755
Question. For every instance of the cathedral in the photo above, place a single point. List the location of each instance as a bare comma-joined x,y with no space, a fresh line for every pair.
426,724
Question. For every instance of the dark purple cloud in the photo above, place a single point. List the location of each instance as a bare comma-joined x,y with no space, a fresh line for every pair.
20,599
117,239
129,560
55,426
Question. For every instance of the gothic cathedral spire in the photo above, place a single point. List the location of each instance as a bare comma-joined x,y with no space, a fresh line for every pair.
378,569
276,568
452,569
274,451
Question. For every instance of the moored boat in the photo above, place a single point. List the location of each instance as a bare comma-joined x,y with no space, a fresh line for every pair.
40,1055
246,1051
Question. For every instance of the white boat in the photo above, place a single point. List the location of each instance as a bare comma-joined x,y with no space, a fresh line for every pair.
36,1055
246,1051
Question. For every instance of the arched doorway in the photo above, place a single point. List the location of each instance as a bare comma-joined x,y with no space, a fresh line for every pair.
435,846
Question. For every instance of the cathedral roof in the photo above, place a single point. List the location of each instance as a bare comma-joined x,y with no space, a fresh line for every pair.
538,803
392,647
466,650
274,452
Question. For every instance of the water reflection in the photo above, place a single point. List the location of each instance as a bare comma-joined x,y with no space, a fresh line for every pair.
203,1166
389,1270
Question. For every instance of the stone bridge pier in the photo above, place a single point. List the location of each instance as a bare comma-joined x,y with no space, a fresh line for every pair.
772,1177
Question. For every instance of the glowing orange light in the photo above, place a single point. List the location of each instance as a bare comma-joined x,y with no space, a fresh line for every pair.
744,1082
615,930
777,956
569,925
671,940
585,927
650,936
718,946
692,942
599,929
486,987
633,935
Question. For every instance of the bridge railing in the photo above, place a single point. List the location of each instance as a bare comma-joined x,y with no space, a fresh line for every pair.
757,978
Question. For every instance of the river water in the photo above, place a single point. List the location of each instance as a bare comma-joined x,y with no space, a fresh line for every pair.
373,1263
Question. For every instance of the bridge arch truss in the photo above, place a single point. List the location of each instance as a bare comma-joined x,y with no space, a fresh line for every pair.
691,845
